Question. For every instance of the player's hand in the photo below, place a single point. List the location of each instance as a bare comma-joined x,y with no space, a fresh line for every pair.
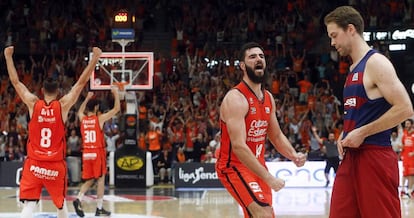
340,148
90,94
8,51
300,159
96,52
276,184
353,139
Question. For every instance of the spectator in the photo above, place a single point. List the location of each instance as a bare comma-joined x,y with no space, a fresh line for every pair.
180,158
111,137
396,140
210,158
74,144
164,166
331,151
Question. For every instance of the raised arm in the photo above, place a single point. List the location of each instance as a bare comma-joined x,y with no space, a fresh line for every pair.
81,111
70,98
117,106
27,97
315,133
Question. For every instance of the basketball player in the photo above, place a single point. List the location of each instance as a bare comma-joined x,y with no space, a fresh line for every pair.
375,101
93,149
404,158
407,157
248,118
45,165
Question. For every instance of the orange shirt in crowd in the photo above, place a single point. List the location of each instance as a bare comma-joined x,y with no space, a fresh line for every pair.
154,142
141,142
304,86
142,112
180,156
343,67
275,87
311,102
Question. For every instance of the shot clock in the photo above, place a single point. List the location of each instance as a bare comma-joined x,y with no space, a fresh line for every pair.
122,27
123,19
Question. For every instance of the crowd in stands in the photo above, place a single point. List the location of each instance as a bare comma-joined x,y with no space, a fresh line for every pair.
181,114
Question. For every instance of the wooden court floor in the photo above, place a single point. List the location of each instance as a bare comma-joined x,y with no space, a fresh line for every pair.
167,202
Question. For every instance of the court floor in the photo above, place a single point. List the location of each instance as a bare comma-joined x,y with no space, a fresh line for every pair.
166,202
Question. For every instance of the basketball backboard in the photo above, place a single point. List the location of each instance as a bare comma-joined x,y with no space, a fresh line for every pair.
135,69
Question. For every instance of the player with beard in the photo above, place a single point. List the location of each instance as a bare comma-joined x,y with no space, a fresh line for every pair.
247,120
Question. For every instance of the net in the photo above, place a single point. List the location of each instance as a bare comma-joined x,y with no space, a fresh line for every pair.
121,89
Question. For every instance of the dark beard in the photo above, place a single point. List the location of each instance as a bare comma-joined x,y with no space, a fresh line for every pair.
253,77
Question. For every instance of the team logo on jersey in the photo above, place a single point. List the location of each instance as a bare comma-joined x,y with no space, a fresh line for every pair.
253,110
251,100
355,77
351,102
267,110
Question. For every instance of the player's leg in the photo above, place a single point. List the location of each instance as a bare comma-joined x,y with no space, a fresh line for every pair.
253,195
88,177
30,189
56,186
343,193
378,181
100,166
262,208
257,210
326,171
28,209
100,211
84,188
63,212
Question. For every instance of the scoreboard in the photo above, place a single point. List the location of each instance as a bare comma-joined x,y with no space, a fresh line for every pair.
123,19
123,25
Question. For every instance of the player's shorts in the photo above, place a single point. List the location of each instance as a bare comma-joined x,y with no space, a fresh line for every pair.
408,167
48,174
408,162
93,163
245,187
366,184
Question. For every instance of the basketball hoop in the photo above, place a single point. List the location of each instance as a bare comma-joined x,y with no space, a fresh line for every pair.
121,89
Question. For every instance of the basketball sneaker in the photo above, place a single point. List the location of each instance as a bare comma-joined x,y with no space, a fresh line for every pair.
78,208
102,212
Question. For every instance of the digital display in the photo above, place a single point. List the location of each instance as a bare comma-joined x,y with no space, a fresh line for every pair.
121,17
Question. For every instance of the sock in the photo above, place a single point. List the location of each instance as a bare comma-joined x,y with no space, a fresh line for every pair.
99,203
28,209
80,196
63,213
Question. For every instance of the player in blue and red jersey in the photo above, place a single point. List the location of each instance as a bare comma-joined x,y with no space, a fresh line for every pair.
375,101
